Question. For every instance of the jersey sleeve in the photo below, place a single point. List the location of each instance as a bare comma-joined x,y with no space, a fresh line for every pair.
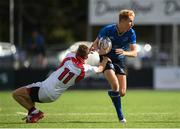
90,70
132,39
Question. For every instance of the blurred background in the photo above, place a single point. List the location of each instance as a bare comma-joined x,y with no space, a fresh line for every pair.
34,35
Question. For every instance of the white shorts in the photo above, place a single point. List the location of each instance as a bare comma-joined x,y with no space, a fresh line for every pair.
38,94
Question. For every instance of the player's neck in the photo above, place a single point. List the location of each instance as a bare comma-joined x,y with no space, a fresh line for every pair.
81,60
120,28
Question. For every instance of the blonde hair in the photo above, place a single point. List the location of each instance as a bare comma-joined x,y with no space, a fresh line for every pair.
125,14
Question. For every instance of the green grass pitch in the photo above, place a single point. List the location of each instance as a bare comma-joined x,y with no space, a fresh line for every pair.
93,109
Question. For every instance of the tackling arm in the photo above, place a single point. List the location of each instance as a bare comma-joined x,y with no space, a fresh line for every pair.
94,45
102,65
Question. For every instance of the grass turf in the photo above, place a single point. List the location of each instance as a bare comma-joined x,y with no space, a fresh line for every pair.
93,109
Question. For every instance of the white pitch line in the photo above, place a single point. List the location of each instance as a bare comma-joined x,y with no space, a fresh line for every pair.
71,114
89,114
83,114
92,128
151,113
21,113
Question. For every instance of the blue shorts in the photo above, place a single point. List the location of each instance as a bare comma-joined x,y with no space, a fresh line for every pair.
117,66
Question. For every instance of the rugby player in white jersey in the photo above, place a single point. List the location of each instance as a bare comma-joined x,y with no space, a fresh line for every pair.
71,70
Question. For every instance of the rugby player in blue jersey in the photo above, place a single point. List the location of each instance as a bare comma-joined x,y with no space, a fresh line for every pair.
123,39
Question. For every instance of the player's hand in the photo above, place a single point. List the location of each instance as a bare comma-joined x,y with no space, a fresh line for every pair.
102,65
106,59
92,49
102,51
119,51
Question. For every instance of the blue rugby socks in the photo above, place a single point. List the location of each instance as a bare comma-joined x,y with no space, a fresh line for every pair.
116,99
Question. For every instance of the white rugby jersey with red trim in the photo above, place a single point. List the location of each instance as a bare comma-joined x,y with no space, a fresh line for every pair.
71,70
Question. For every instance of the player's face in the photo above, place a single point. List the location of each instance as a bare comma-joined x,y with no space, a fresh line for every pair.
128,23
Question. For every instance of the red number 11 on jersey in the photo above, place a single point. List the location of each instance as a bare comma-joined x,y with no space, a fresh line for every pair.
64,73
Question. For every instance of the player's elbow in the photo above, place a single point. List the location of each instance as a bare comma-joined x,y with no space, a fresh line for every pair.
134,54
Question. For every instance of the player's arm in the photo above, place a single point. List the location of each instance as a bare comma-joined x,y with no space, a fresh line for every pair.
102,64
132,52
102,33
91,70
94,46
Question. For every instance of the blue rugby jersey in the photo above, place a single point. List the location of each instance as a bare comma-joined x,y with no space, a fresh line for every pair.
118,40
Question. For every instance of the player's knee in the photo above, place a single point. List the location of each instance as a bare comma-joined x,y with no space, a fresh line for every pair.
115,88
123,93
14,94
